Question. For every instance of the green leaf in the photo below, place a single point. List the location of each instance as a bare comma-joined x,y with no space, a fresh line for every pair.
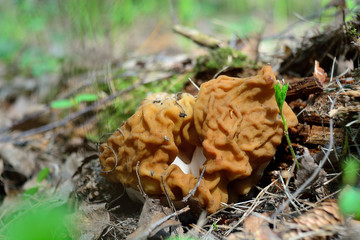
88,97
350,170
284,92
30,192
349,202
43,174
62,103
280,94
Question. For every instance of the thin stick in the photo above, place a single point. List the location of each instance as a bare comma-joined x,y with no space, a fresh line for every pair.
253,205
219,72
192,191
145,234
116,160
194,84
171,204
139,181
70,117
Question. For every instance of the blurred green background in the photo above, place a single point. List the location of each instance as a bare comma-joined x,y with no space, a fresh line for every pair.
39,36
43,40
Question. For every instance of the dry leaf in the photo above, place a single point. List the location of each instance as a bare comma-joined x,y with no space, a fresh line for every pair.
307,167
152,212
255,228
90,223
319,73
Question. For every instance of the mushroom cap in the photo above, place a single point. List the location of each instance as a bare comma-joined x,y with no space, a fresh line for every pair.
161,126
238,121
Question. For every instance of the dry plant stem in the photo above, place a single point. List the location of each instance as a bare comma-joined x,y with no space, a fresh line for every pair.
194,84
251,209
171,204
146,233
116,160
317,170
139,181
288,194
219,72
192,192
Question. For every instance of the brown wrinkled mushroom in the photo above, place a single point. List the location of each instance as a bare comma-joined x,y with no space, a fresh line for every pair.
160,128
236,119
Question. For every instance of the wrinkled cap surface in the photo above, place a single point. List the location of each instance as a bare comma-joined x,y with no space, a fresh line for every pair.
238,121
234,120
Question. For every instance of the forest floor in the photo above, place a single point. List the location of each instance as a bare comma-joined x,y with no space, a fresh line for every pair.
49,156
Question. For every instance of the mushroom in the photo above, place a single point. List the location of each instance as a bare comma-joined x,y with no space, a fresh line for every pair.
231,129
160,128
238,121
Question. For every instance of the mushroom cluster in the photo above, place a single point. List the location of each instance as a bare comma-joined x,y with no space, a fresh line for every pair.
229,133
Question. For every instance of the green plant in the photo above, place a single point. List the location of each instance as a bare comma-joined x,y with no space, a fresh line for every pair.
349,197
221,57
280,95
38,215
125,106
40,177
73,102
41,222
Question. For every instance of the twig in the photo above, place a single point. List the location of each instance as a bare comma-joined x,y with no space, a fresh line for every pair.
116,160
220,71
198,37
70,117
194,84
253,205
144,235
98,144
192,191
171,204
139,181
288,194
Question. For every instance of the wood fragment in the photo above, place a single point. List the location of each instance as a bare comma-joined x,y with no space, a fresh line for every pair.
198,37
319,135
302,88
345,110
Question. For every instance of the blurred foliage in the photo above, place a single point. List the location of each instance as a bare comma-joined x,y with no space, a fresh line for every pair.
122,108
35,33
220,58
42,175
349,197
74,102
40,222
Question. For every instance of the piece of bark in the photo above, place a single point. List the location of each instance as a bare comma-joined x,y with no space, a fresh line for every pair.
318,135
302,88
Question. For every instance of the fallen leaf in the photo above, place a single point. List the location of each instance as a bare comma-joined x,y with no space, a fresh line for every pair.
319,73
152,213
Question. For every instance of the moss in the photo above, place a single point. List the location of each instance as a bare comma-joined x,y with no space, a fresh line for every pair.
124,106
219,58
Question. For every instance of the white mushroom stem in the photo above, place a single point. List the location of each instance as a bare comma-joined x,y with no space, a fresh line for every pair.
198,159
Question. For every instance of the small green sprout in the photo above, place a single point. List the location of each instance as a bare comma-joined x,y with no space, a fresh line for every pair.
215,226
40,177
280,95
